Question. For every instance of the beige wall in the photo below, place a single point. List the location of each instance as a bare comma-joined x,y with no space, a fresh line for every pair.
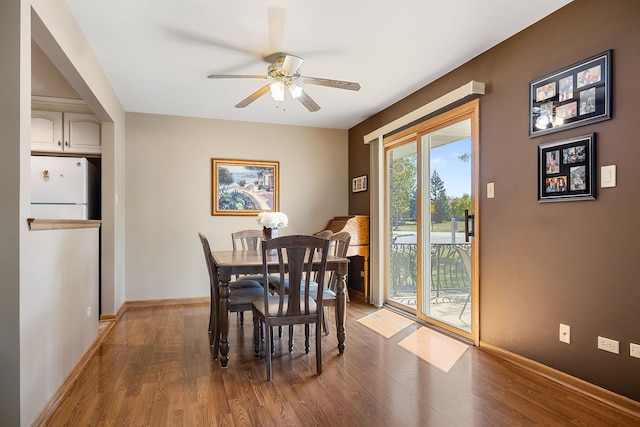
168,181
14,143
44,328
46,80
166,255
59,282
55,31
551,263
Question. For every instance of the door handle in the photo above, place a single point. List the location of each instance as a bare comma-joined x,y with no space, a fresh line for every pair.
469,231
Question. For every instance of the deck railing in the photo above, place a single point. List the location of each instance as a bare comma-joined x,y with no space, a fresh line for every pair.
447,270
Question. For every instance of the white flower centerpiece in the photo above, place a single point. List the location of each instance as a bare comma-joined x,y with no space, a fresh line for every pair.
271,222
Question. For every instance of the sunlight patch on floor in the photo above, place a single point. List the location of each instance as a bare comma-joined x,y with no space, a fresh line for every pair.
435,348
385,322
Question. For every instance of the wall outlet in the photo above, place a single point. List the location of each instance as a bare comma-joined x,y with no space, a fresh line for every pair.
88,312
607,344
565,333
634,350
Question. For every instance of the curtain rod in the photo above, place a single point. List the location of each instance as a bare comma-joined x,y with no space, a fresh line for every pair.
472,88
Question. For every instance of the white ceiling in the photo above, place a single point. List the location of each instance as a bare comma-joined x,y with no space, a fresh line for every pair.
157,53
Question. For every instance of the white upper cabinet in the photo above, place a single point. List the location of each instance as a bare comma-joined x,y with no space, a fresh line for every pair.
81,133
53,131
46,131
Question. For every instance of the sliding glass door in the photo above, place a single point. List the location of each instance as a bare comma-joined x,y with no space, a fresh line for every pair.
401,225
429,201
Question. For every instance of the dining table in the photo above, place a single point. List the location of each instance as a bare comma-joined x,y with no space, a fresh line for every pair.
240,262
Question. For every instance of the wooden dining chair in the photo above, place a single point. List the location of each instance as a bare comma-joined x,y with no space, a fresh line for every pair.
325,234
274,283
241,296
295,256
339,246
246,240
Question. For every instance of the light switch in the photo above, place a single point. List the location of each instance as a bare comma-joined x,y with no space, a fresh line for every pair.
608,176
490,190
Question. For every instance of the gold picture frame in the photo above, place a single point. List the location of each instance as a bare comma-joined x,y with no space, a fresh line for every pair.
244,187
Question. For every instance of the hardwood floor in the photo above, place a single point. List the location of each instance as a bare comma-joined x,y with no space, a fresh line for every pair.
154,368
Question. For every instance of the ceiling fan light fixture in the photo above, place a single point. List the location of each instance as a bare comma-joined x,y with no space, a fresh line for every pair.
284,72
277,91
294,90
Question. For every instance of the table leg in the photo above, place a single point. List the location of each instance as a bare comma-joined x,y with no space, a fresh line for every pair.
341,306
225,277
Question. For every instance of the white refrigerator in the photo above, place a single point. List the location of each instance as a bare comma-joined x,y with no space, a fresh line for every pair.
64,188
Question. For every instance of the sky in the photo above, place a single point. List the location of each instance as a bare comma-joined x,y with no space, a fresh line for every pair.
455,173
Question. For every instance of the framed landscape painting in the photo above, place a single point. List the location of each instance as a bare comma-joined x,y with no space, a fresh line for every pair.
244,187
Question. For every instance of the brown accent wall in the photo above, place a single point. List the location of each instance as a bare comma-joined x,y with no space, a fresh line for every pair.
543,264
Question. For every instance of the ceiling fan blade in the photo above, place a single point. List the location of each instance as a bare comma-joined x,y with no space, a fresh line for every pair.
255,95
236,67
235,76
210,41
340,84
308,102
275,27
291,64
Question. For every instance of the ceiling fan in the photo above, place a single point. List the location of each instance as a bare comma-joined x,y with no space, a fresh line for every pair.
285,73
